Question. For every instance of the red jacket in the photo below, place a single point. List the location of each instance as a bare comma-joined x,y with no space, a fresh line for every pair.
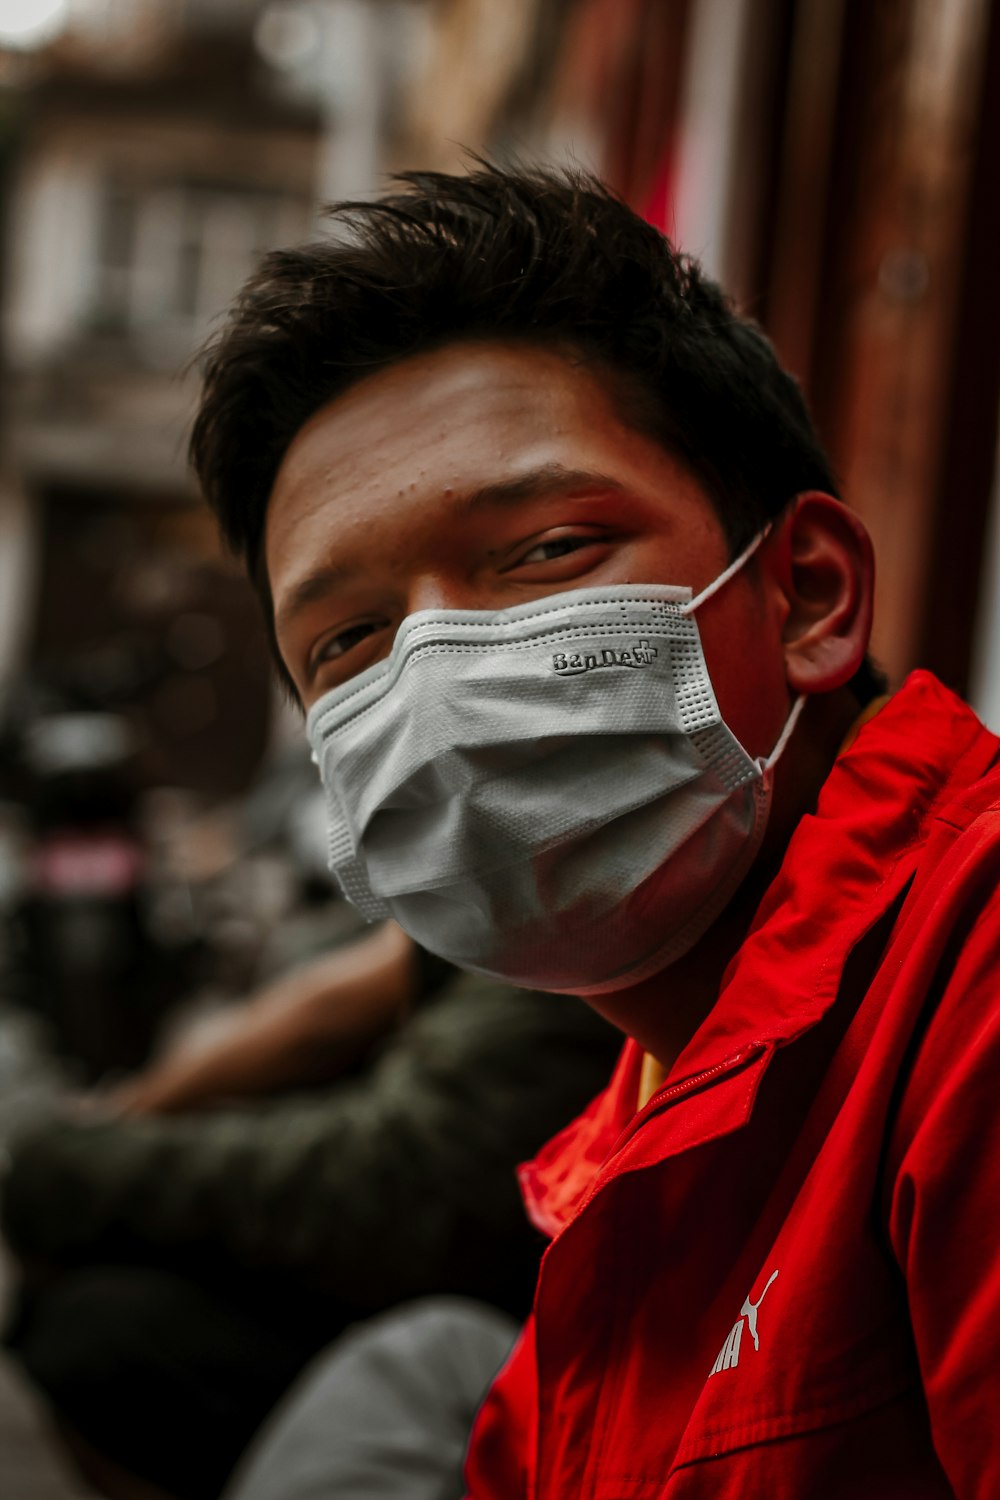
781,1278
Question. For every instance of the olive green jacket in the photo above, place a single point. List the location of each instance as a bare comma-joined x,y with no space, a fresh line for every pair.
391,1184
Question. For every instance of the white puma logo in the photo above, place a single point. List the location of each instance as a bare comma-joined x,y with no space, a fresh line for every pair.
749,1311
729,1354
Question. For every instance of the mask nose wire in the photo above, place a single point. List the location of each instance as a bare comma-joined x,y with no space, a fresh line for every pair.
727,573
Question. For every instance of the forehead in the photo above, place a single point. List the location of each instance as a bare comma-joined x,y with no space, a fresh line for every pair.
434,409
388,451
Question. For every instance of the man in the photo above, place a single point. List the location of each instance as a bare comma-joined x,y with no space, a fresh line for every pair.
554,560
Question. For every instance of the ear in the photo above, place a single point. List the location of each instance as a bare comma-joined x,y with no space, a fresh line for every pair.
823,562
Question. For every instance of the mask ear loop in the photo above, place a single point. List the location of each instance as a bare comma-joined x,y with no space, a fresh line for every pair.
786,733
727,573
713,588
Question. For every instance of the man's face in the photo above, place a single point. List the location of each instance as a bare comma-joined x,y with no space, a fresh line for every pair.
486,475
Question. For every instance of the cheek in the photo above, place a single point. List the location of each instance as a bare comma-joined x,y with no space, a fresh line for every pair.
746,662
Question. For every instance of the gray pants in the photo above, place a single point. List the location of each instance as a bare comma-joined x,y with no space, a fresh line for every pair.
385,1413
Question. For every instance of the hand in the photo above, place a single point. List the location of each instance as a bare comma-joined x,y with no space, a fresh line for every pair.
185,1075
304,1029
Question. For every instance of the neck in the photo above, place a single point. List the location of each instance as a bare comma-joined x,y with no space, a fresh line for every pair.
664,1012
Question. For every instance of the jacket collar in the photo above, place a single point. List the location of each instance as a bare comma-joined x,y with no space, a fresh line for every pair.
843,868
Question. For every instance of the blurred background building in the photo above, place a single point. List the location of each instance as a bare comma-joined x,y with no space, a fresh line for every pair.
835,163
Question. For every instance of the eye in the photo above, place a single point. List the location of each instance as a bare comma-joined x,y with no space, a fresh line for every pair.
560,552
342,642
555,547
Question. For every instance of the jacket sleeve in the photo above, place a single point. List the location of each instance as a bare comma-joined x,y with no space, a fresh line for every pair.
391,1185
944,1211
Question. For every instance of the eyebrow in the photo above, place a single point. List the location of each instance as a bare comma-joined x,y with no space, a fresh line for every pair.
537,484
548,480
316,586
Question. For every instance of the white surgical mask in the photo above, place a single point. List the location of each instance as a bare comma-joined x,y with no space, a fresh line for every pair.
546,794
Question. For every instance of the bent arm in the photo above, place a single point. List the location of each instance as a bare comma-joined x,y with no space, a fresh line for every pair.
944,1211
310,1025
394,1185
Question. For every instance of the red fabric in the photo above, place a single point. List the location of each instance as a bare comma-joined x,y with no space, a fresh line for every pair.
834,1122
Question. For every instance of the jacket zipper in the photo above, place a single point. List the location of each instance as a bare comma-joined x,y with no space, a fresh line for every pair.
662,1101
